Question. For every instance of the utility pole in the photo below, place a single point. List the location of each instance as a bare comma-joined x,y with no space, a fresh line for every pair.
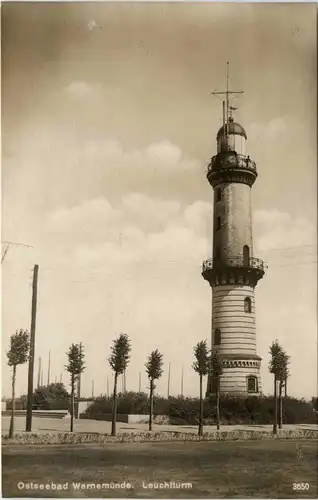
92,388
60,378
5,253
169,380
39,372
49,369
32,348
182,382
41,383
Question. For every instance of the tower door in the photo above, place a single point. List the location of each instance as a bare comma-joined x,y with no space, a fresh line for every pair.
246,256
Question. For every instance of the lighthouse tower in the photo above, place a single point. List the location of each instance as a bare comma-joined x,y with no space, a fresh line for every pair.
233,271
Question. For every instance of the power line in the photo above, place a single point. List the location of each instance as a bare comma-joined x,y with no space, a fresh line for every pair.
60,282
11,243
144,261
282,249
294,264
17,244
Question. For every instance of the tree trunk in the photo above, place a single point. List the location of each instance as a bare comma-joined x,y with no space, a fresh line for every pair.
280,405
218,404
151,405
11,429
72,401
275,406
201,410
113,433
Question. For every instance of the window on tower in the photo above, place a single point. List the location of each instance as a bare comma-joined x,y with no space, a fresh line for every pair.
217,336
246,256
247,305
218,223
218,194
252,384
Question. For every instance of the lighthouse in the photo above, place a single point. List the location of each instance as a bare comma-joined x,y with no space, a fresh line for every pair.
233,272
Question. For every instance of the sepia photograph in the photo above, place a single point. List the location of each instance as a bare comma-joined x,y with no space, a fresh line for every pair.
159,250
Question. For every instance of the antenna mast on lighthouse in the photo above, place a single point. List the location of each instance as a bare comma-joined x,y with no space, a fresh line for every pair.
226,104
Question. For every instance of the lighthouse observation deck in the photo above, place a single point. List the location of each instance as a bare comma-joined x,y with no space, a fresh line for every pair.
229,166
231,160
238,261
236,268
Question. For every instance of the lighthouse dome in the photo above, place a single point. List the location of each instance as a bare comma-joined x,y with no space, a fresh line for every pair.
231,128
231,137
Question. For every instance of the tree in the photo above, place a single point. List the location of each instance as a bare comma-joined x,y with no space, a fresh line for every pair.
18,354
278,366
201,366
154,371
216,370
118,360
75,367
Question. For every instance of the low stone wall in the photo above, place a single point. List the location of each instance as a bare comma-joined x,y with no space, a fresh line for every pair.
127,419
143,437
59,414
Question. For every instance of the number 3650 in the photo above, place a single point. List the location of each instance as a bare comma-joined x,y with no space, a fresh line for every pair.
300,486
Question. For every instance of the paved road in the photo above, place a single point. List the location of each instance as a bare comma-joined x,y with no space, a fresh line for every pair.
50,425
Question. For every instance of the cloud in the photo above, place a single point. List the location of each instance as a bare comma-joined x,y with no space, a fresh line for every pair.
279,230
138,229
275,129
97,209
164,154
270,217
100,168
80,89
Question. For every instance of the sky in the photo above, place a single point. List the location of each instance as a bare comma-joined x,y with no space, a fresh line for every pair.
108,125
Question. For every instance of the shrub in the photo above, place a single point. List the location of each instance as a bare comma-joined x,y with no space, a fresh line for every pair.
185,411
51,397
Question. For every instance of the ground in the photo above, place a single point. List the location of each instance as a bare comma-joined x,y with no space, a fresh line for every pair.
238,469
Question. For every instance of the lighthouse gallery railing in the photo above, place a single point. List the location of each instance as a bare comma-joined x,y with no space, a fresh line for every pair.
237,261
231,160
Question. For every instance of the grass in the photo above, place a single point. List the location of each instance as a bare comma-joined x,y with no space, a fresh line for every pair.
238,469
